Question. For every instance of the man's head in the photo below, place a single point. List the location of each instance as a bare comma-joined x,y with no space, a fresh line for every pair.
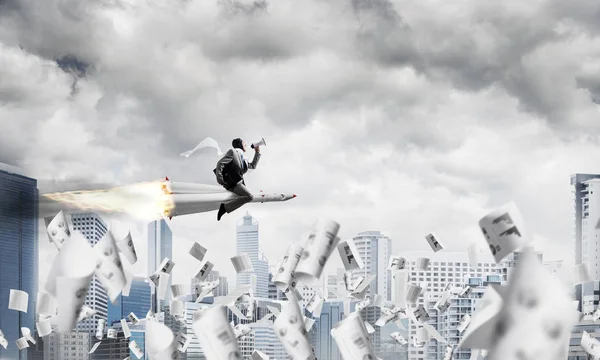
239,143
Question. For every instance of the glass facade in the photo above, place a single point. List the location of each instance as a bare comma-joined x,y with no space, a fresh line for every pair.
93,228
19,255
138,302
247,242
160,246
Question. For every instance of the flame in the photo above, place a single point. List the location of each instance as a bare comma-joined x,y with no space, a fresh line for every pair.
144,200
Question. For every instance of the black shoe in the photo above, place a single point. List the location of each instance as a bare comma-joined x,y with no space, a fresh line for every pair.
221,212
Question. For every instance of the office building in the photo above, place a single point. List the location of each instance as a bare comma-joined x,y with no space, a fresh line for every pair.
335,284
19,254
320,335
70,346
586,212
138,301
374,249
93,229
160,246
445,267
221,290
266,340
247,242
184,325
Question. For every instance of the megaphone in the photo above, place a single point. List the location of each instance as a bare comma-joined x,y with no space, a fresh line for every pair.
259,143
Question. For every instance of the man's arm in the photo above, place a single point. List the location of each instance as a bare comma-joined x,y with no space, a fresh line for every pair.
254,162
221,165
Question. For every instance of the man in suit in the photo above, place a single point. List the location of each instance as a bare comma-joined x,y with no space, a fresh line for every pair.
230,172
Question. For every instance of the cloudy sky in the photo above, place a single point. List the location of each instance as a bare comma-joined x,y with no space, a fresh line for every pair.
400,116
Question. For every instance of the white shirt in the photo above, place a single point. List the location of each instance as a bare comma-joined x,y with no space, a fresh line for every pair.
241,152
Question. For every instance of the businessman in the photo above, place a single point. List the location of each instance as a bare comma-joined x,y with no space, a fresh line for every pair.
230,172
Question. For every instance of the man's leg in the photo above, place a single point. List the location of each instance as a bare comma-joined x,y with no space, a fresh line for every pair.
245,197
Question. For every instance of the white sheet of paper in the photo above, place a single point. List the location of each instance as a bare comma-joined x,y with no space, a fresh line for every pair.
259,355
86,313
93,349
543,307
204,270
133,318
317,250
179,290
208,142
241,330
44,327
242,263
464,322
127,248
112,333
177,308
350,256
369,327
448,352
434,242
478,334
71,296
74,260
423,263
58,230
433,333
399,283
412,293
396,336
590,344
215,334
352,338
109,269
504,230
287,267
472,253
18,300
198,251
125,327
420,315
135,348
166,266
3,341
26,332
163,285
160,342
100,329
397,263
22,343
291,331
45,304
582,274
183,341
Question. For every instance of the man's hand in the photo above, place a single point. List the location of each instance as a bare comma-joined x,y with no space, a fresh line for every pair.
257,149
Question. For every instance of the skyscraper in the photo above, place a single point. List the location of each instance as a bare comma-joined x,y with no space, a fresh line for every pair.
247,242
374,249
138,301
160,246
586,212
19,255
320,335
93,228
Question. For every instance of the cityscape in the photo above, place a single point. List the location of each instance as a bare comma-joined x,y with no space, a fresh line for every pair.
19,237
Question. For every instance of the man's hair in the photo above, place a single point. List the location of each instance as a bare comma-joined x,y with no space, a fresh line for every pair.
237,143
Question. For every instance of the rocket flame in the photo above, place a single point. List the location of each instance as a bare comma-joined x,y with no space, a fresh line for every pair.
145,200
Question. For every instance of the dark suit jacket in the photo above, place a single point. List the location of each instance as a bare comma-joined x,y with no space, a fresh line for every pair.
229,170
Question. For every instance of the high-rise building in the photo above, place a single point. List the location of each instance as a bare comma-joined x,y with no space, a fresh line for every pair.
247,242
445,267
19,255
335,284
374,249
221,290
274,292
266,340
138,301
160,246
93,229
71,346
320,335
586,212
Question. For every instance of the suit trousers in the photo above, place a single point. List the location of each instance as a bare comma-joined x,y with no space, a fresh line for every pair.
245,197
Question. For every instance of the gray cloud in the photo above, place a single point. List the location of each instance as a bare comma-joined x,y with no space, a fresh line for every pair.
399,118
